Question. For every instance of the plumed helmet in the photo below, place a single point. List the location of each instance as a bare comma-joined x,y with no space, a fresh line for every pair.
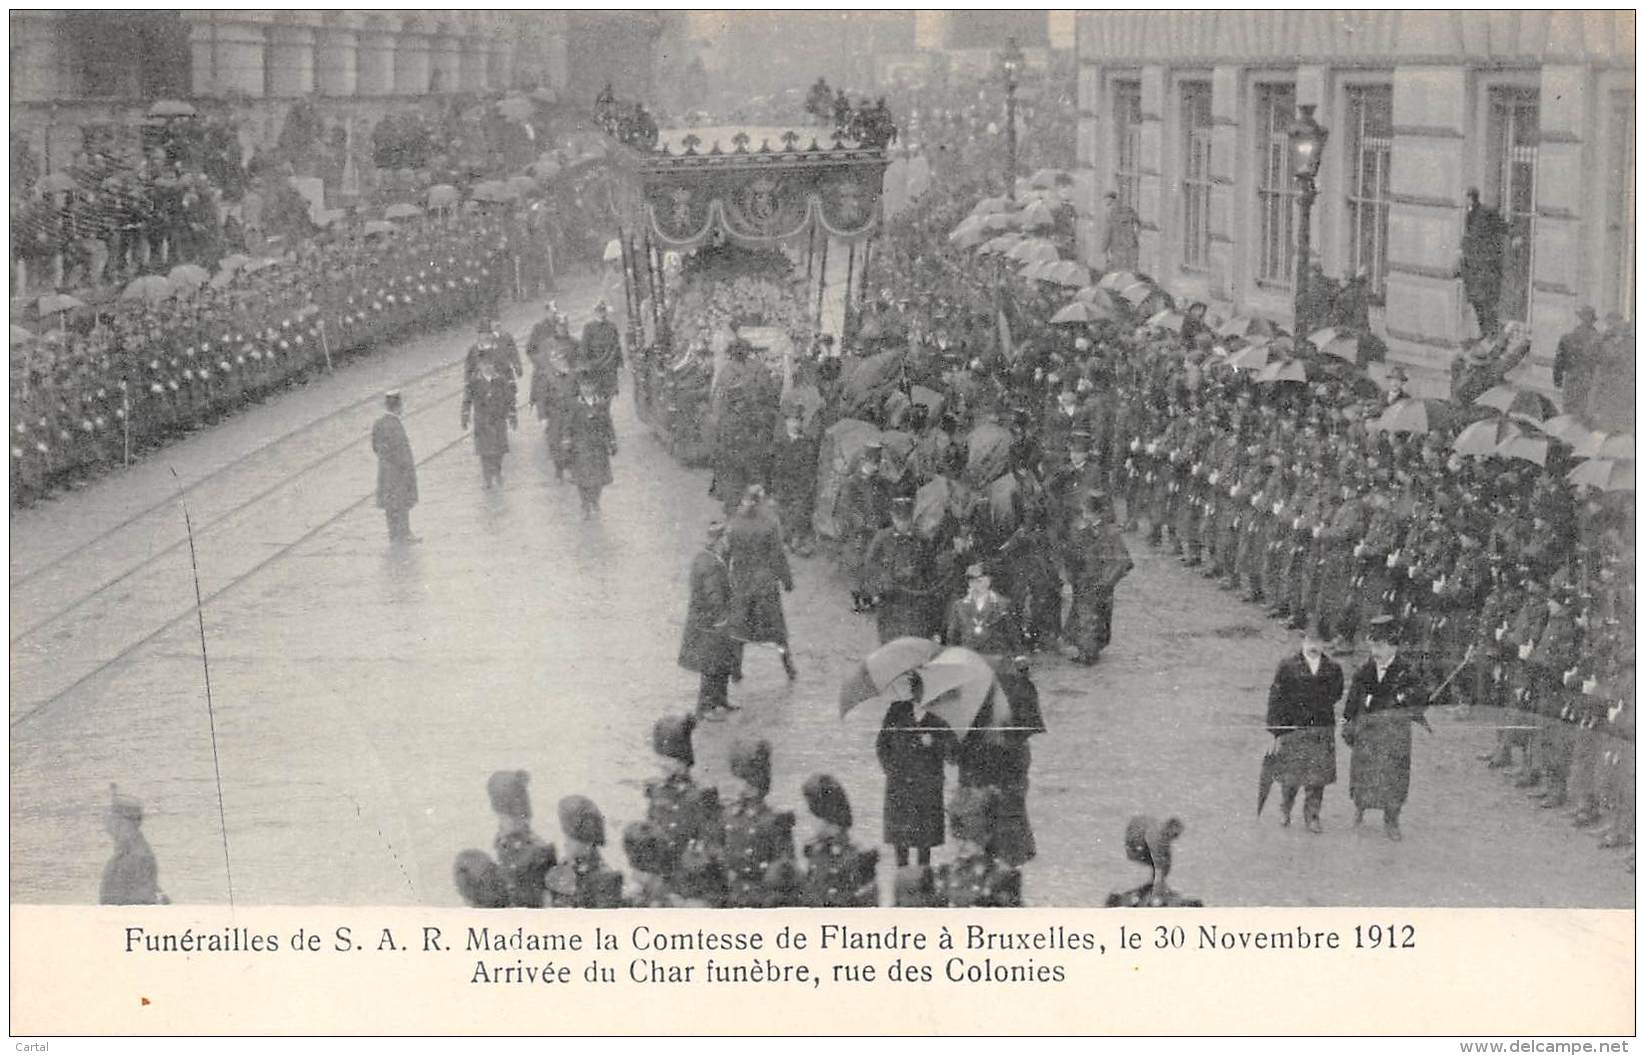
648,849
507,791
826,799
751,762
671,737
479,880
582,821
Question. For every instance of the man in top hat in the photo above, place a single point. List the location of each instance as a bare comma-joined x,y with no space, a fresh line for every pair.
1484,236
791,477
759,571
591,441
488,401
583,881
523,857
706,646
686,813
758,841
1149,841
976,878
983,620
903,575
130,877
838,875
1384,699
396,470
602,350
1120,235
864,507
1097,559
1302,717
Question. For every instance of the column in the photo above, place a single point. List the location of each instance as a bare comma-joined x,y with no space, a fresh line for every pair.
411,65
446,58
1151,199
291,60
1087,189
337,66
1425,302
1227,103
235,58
376,72
1569,220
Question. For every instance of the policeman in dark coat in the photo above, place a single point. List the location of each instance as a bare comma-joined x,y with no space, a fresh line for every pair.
488,401
792,480
913,747
592,442
1484,235
130,877
983,620
523,857
1097,559
396,471
1302,717
904,578
758,841
687,814
705,646
602,350
837,875
553,390
759,572
583,881
977,878
1384,699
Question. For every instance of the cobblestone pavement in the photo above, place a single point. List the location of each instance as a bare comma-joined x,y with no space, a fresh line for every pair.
362,693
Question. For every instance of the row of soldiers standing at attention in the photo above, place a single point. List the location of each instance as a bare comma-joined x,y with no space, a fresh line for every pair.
694,850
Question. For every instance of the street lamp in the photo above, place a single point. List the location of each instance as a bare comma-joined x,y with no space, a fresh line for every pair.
1307,142
1011,66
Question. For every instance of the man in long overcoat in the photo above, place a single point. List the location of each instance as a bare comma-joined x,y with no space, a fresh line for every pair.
913,747
904,577
1097,560
759,573
705,647
791,477
1484,235
488,401
396,470
864,507
1384,699
1302,717
591,441
602,350
1120,235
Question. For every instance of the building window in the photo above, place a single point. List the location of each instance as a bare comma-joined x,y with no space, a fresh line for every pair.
1127,141
1512,131
1196,175
1276,190
1618,269
1370,121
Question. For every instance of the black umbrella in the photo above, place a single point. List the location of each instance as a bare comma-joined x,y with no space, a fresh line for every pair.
1267,776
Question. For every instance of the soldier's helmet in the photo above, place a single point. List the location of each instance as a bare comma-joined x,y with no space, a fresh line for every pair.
671,737
480,880
582,821
751,762
826,799
647,849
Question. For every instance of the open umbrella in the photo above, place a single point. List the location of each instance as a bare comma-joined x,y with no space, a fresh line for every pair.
1037,217
957,684
1603,473
522,185
442,195
1281,370
491,191
1415,415
184,276
20,335
1532,449
1116,281
1252,357
1000,221
1068,273
252,267
1511,399
515,108
999,244
991,205
1620,447
1137,293
1034,270
1166,319
147,288
1032,249
969,232
233,262
378,227
1077,312
1567,428
1479,439
879,669
401,211
171,108
1246,326
1338,341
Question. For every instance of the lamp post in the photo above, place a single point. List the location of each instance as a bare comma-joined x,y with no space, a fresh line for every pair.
1307,143
1011,65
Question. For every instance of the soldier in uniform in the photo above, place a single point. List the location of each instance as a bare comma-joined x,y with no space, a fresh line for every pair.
553,390
488,401
396,471
976,878
591,442
759,842
523,857
479,882
583,881
602,350
650,864
686,813
983,620
1098,559
838,875
1149,842
130,877
903,576
1384,699
1302,717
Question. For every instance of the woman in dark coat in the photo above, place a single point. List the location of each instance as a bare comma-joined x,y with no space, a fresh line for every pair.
995,754
1302,717
705,647
592,441
1383,700
912,748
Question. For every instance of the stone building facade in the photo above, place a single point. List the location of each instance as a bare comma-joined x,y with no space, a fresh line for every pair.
1183,116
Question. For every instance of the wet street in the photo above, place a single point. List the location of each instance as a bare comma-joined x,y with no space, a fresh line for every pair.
362,694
